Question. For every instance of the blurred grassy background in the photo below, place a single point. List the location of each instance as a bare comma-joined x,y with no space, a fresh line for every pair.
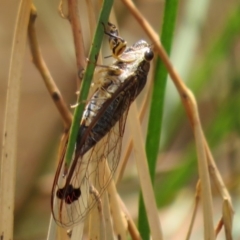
206,53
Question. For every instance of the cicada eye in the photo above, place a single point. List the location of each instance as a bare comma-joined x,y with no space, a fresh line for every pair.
148,55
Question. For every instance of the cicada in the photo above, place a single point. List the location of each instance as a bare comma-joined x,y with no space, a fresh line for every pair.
101,130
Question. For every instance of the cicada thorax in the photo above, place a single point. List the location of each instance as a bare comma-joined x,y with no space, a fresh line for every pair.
101,130
123,82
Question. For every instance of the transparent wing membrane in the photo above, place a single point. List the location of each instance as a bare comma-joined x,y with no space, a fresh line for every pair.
98,146
74,201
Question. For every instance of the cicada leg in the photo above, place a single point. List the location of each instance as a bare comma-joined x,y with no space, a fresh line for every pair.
117,44
109,73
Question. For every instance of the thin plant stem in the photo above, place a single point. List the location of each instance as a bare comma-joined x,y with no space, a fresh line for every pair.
96,219
134,233
144,177
227,219
46,75
9,155
119,222
74,19
197,199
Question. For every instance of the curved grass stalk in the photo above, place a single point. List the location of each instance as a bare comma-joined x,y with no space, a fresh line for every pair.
46,75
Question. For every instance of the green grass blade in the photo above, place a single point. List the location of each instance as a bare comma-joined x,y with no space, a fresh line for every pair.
93,55
156,110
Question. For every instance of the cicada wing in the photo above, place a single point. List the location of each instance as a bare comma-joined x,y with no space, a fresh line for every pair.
106,154
71,196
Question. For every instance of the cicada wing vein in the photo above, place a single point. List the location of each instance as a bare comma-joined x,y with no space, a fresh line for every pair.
71,199
70,193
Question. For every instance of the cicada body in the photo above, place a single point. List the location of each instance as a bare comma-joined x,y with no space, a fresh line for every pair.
101,130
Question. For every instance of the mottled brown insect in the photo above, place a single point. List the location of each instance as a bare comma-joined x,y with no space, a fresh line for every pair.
101,130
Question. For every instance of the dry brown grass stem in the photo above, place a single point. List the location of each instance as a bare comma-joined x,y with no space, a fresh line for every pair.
132,229
144,176
91,17
206,195
46,75
197,199
96,221
74,19
107,217
227,208
216,177
92,25
227,219
8,157
119,222
219,227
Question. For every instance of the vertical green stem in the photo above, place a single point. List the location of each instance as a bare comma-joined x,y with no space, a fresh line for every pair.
88,75
156,109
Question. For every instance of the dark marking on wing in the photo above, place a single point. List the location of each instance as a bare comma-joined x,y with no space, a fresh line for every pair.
68,193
